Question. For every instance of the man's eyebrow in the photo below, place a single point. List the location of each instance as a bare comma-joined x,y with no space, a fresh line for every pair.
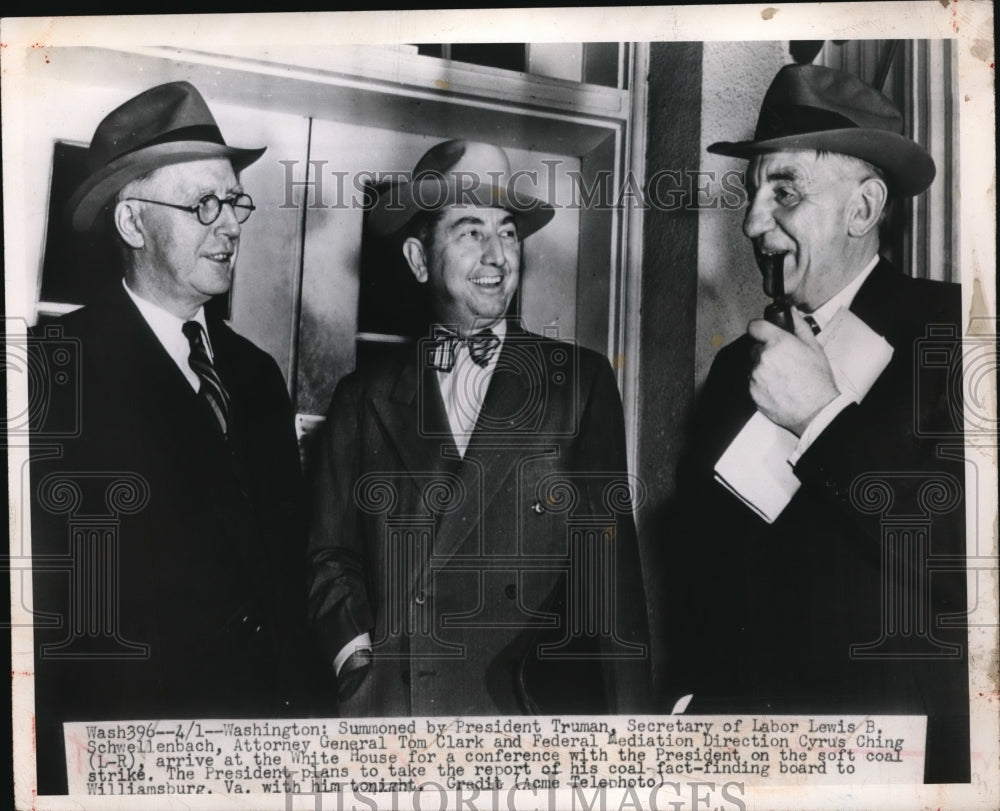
786,173
204,191
469,219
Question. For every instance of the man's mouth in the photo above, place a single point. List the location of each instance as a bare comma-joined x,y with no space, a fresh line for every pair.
772,267
221,256
487,282
770,253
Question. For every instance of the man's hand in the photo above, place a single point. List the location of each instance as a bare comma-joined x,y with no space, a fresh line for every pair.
791,381
353,672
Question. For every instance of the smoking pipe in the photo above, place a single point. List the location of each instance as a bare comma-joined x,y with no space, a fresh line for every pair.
779,311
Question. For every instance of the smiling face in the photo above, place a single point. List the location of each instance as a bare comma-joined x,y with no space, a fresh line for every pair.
802,216
180,263
473,265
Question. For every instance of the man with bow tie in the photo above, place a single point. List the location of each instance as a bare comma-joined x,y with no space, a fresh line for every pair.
473,549
165,533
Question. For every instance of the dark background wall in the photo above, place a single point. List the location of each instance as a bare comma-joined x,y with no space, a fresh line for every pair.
669,303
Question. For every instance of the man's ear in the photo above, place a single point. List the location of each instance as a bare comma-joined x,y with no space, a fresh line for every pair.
413,250
870,200
126,219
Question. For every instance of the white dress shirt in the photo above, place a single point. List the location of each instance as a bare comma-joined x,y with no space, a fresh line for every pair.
463,389
168,329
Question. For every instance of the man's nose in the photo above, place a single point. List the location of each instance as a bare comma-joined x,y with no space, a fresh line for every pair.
758,219
493,253
227,224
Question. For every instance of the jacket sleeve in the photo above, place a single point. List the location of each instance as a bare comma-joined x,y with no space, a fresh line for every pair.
339,604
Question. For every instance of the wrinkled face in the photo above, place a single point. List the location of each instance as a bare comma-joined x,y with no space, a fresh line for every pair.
798,212
188,262
473,266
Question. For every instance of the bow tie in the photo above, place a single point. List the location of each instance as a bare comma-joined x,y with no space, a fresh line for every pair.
482,345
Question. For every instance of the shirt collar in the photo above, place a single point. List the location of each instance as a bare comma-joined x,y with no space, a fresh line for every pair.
165,325
499,329
845,297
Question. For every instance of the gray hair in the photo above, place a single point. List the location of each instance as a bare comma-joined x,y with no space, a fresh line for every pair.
863,170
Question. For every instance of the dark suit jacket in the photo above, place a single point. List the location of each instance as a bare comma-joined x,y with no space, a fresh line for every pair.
193,541
764,617
505,582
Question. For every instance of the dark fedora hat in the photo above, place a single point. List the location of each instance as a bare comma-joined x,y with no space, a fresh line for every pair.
812,107
167,124
458,172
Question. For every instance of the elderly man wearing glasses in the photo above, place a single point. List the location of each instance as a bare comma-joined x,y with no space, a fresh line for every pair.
186,440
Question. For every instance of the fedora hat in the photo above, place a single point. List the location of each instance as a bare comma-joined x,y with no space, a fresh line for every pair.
812,107
458,172
167,124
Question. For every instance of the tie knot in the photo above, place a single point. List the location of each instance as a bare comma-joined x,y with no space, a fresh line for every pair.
194,332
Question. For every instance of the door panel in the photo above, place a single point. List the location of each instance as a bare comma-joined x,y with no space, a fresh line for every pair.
267,267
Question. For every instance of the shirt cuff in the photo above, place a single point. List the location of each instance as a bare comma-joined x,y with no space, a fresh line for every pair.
359,642
818,425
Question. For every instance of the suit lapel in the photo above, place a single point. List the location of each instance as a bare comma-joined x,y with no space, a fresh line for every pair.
414,419
154,378
158,387
493,453
508,393
146,392
870,302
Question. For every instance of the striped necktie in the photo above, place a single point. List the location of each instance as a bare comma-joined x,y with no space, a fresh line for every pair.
812,323
211,390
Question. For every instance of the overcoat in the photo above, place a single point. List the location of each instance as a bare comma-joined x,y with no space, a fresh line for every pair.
853,600
168,561
505,582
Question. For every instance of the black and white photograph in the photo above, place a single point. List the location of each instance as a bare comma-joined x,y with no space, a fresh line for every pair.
579,408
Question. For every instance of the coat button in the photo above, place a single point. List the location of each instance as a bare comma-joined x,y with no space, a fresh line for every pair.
420,598
510,590
537,508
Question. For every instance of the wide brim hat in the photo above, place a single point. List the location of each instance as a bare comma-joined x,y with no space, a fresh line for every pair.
817,108
167,124
459,172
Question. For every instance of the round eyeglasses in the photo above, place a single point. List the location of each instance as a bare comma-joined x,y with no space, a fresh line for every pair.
209,207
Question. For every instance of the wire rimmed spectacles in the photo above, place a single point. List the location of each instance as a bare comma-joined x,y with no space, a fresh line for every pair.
209,207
